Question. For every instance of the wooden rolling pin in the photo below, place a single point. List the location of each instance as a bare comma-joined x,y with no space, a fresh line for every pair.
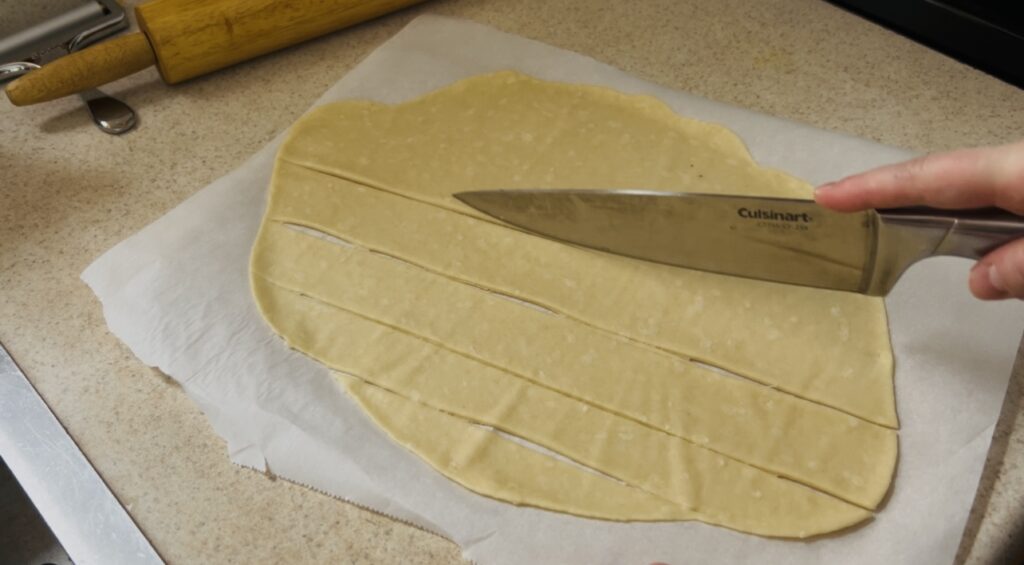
188,38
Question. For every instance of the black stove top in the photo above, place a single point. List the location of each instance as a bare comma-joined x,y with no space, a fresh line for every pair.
987,34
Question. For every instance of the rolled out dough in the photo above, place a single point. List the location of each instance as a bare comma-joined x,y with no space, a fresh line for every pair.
449,319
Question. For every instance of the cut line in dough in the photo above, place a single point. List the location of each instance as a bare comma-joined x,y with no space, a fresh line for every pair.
545,272
821,447
489,464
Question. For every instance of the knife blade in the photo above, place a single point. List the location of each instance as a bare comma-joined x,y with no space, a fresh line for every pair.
772,239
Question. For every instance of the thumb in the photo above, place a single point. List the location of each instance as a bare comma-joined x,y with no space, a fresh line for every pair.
1000,274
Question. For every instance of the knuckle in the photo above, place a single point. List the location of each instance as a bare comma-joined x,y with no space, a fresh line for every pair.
1011,271
904,176
1009,181
919,168
1016,263
908,182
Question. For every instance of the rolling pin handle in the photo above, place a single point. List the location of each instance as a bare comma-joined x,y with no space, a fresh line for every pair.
89,68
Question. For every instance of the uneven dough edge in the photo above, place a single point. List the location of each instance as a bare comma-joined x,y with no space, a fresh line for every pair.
656,102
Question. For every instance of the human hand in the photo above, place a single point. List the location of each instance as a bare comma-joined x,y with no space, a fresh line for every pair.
966,178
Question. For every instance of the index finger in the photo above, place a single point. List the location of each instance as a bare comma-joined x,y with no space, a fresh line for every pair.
966,178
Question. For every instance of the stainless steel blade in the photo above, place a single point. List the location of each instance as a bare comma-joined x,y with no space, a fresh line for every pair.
774,239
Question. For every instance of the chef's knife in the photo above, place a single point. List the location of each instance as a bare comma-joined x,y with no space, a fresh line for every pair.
774,239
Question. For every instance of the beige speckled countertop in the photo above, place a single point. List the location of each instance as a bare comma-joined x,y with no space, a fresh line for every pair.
68,193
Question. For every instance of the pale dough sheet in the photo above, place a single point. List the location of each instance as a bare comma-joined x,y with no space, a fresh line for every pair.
584,379
591,146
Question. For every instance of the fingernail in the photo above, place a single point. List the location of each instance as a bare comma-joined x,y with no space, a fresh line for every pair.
995,278
824,188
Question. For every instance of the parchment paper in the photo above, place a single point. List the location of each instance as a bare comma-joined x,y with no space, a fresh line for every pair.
177,294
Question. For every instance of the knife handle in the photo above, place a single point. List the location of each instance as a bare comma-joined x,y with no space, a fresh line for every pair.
907,235
964,233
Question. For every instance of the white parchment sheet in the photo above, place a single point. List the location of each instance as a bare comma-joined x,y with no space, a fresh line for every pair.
177,294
